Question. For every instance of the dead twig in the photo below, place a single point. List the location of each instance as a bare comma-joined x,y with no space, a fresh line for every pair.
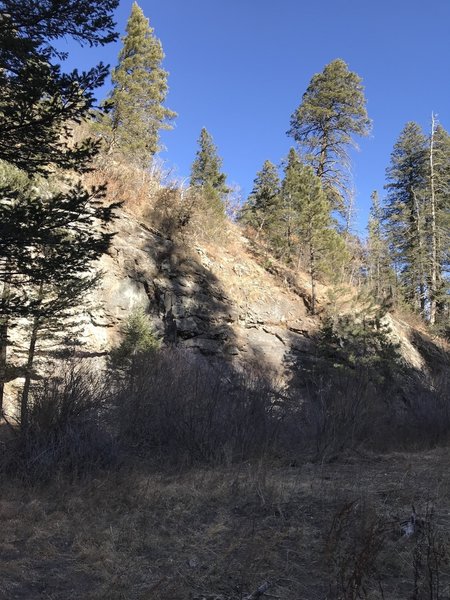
259,592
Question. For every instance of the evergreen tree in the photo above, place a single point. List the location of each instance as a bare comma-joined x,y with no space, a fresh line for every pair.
40,239
331,113
49,242
138,341
139,91
206,173
406,213
439,225
379,272
309,218
286,242
38,102
263,204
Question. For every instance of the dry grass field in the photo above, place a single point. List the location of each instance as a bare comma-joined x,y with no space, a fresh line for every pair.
312,531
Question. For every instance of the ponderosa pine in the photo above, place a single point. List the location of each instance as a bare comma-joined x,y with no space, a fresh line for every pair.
332,112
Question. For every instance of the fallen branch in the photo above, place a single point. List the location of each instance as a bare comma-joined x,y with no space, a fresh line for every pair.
259,592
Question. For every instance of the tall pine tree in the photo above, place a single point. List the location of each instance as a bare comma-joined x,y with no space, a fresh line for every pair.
139,90
439,226
307,215
287,217
379,272
406,213
38,106
331,113
38,101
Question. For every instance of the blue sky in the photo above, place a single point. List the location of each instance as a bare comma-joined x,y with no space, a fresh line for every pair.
240,67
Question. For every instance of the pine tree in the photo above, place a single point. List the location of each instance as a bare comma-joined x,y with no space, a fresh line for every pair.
139,91
49,243
309,218
138,341
38,106
331,113
206,173
406,213
263,204
38,102
288,210
379,272
439,225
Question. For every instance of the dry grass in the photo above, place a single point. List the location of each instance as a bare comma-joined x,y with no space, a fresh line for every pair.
138,534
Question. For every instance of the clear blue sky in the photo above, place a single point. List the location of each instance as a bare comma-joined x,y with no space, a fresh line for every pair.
240,67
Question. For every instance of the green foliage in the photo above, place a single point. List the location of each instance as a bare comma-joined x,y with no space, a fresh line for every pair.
405,212
360,338
138,341
139,90
49,237
332,111
380,274
206,173
38,102
306,215
442,190
263,204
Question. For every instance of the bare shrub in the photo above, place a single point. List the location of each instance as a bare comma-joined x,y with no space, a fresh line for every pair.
425,419
181,407
137,188
338,411
355,541
188,213
67,430
429,557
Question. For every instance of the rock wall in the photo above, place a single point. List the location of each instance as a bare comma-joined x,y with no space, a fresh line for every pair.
215,300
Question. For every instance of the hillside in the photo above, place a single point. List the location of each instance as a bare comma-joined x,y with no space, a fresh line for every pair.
225,299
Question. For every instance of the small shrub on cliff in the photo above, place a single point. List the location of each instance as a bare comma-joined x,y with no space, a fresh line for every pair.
138,340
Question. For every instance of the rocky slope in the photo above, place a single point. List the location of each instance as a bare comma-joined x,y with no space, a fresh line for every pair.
227,301
213,299
222,300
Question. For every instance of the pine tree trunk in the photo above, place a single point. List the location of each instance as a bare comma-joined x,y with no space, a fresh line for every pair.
28,374
24,406
4,337
433,274
420,271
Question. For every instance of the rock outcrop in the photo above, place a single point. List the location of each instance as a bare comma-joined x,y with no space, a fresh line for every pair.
225,301
215,300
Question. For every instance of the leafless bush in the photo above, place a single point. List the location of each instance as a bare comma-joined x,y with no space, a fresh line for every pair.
179,406
356,539
425,419
188,213
429,557
339,411
68,427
